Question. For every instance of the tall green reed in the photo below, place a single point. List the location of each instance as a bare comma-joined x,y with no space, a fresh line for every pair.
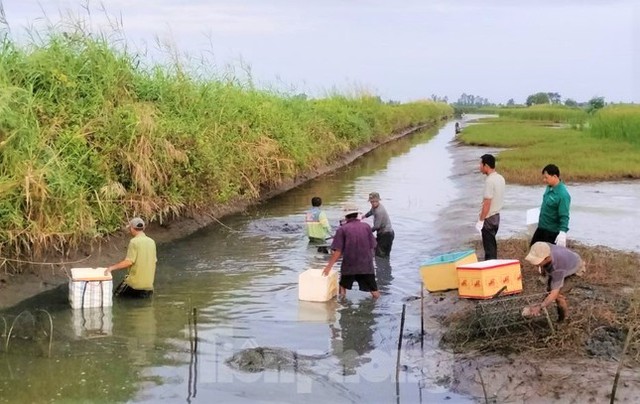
552,113
89,137
618,122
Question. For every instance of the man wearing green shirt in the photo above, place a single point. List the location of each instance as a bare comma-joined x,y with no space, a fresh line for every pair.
553,222
141,260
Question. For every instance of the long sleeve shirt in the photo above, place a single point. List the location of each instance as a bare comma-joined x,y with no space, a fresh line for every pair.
381,221
554,211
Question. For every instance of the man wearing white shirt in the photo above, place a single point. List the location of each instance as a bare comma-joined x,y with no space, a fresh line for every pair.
492,202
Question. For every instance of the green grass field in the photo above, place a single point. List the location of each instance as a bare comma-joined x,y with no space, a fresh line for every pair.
550,113
530,145
617,122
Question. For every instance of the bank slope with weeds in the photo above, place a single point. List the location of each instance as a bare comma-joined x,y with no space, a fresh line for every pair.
88,137
604,306
606,148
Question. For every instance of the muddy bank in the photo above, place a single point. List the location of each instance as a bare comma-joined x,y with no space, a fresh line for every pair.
522,377
576,361
34,278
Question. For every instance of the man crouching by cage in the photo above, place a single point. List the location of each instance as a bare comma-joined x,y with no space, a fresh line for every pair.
141,261
557,264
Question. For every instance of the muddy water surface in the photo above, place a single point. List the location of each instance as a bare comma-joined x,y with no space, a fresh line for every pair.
241,278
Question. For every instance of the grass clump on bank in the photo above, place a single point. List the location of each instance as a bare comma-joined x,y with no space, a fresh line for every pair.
617,122
581,155
88,137
551,113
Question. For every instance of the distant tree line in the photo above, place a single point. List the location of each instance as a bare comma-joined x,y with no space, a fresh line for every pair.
470,100
542,98
467,102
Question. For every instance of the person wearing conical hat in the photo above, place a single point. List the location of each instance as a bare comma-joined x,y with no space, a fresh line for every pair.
354,242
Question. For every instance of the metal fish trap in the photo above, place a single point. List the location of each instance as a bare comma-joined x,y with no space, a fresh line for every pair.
35,326
503,316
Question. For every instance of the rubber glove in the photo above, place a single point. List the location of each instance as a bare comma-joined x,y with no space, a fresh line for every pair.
480,225
561,240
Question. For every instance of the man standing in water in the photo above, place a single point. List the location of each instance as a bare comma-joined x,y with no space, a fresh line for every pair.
553,222
141,261
492,201
317,225
381,225
354,242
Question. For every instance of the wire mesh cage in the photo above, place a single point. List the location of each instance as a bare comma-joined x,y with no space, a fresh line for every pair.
503,315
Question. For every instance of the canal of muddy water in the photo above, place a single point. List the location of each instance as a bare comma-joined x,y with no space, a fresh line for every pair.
239,277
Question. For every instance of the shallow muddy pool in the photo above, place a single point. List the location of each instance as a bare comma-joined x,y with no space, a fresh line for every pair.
241,280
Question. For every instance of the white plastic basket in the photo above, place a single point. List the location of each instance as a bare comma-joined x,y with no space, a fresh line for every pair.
89,287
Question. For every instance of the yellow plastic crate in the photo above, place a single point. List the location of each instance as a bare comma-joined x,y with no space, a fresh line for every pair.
484,279
439,273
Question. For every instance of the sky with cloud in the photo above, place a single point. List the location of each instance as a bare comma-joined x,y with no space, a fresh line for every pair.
401,50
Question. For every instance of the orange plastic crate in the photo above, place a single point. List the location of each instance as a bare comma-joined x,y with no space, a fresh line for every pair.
482,280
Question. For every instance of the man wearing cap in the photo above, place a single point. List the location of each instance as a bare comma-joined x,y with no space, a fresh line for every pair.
381,225
141,261
553,222
354,242
557,263
492,201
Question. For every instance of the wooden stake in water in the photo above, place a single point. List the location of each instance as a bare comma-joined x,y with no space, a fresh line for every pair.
404,308
421,317
193,362
627,341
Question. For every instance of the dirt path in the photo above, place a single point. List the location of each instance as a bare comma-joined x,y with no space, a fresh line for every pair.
35,279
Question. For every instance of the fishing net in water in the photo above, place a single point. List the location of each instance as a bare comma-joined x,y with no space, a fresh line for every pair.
23,330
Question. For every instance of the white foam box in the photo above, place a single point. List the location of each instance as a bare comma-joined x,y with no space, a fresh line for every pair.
314,287
90,287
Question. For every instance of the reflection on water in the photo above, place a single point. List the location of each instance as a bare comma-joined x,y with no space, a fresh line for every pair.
353,339
242,279
94,322
139,328
383,273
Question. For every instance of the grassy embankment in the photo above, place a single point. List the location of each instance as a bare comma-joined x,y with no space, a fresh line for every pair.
607,148
546,113
89,137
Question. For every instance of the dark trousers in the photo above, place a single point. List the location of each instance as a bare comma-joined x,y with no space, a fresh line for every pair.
489,231
543,235
385,242
124,290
